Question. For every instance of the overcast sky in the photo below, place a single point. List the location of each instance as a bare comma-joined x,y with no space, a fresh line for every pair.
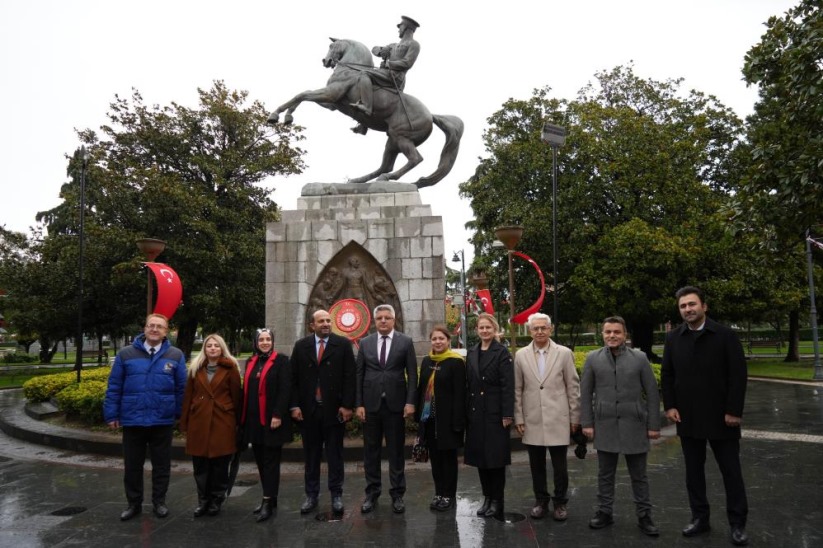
62,62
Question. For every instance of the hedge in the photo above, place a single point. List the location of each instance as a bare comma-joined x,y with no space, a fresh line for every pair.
46,387
83,401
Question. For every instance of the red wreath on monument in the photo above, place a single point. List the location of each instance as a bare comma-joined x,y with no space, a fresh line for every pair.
350,319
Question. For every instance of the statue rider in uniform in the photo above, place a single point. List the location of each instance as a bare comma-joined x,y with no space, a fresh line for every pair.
397,59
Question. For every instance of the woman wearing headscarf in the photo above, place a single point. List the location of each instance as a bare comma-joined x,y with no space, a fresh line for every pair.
211,405
441,414
490,409
265,418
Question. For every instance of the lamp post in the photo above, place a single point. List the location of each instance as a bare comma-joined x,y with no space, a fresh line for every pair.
555,137
818,368
510,236
78,342
150,248
463,326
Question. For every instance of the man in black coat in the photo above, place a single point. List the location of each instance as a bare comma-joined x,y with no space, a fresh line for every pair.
386,387
322,400
704,388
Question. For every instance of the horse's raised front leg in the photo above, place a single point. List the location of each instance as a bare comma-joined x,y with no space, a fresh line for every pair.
330,94
406,146
389,157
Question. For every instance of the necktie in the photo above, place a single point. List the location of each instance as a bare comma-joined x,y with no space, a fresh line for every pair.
152,351
318,395
383,352
541,362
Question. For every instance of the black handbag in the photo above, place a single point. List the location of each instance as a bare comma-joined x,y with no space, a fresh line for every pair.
420,453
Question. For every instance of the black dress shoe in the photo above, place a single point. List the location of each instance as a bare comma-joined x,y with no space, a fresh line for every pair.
259,507
495,510
541,508
738,536
161,510
435,501
308,505
601,520
368,505
131,511
481,512
446,503
698,526
647,526
214,507
337,504
398,506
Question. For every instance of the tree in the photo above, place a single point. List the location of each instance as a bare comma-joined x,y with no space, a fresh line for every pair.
641,178
783,192
189,177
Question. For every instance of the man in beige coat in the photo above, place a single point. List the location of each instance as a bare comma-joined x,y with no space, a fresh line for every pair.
546,411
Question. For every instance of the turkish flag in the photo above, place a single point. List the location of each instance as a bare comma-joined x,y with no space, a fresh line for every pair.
485,298
169,289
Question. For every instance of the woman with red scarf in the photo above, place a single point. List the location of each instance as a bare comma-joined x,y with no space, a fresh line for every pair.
441,414
265,418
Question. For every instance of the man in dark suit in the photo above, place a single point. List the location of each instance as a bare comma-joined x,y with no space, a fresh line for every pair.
322,399
704,388
386,386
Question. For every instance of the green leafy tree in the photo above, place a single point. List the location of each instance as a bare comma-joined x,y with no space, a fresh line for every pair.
189,176
642,175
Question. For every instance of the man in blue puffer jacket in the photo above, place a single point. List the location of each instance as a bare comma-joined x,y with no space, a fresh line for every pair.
145,397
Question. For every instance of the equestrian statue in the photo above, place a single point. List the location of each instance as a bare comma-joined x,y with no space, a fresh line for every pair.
374,98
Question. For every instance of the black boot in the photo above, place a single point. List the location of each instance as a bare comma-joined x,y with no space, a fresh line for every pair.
259,507
485,508
495,510
202,506
214,506
265,510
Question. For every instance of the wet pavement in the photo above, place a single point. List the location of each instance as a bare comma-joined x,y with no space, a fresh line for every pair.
53,497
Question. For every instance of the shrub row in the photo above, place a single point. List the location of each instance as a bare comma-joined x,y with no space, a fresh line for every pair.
46,387
20,357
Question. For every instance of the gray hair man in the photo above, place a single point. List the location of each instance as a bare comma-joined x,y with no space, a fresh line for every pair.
546,411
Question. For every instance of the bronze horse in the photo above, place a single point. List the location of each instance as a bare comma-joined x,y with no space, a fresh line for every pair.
406,121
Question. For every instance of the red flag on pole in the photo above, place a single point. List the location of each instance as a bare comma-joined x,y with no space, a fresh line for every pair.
485,298
169,289
522,317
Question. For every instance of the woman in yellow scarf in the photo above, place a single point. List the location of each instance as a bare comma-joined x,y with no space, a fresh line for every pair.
441,414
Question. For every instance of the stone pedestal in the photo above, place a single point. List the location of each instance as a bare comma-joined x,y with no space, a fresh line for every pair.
388,221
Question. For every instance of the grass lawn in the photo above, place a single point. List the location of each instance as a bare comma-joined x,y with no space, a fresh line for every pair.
776,368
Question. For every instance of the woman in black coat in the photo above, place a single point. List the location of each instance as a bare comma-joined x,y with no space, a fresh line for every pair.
441,414
490,375
265,419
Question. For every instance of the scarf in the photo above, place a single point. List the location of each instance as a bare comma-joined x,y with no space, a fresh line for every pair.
428,397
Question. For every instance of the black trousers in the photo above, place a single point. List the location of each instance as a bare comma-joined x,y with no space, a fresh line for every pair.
268,466
158,441
443,463
392,426
317,435
211,476
537,464
493,482
727,455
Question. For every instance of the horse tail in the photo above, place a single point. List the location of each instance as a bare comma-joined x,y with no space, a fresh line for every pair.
452,127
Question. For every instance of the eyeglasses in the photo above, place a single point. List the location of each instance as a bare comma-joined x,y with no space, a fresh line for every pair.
157,326
541,328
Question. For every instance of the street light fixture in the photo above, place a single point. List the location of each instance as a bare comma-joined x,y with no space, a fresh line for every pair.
78,342
510,237
150,248
555,137
463,326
